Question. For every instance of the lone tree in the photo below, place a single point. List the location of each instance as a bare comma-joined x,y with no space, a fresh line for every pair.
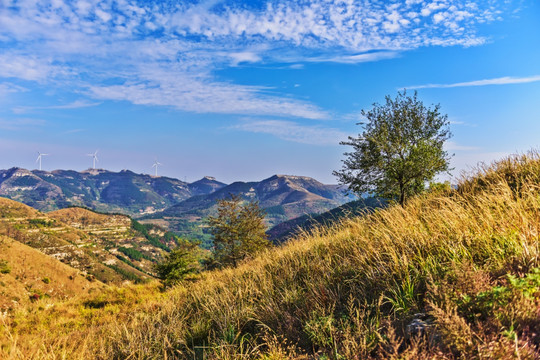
400,149
182,263
238,230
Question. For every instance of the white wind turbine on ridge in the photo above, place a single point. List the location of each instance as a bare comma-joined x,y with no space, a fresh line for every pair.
156,165
40,155
94,159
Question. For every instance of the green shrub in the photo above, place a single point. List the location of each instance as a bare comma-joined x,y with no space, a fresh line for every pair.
4,267
131,253
41,223
489,302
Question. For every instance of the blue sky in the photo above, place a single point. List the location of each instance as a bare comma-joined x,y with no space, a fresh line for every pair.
244,90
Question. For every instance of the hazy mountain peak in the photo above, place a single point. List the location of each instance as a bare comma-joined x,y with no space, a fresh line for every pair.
17,171
293,177
206,185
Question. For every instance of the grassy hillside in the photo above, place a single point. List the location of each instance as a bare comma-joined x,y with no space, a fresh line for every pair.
109,248
451,275
27,275
287,229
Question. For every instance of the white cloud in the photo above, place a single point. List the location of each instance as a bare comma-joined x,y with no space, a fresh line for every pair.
244,57
201,96
291,131
358,58
77,104
85,44
20,123
496,81
6,88
462,123
25,67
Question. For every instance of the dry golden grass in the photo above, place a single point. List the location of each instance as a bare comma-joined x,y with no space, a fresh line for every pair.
14,209
344,292
32,275
80,217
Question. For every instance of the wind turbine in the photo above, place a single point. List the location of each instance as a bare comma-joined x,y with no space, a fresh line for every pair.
156,164
40,155
94,158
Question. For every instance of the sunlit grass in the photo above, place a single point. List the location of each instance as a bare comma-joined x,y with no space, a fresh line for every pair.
343,292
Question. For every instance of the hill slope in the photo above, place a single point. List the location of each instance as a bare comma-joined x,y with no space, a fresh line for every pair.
110,248
450,275
27,274
467,260
291,228
118,238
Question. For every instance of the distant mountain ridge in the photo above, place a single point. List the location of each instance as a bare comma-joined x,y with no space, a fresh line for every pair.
102,190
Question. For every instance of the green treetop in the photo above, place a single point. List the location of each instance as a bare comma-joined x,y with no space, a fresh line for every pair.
399,151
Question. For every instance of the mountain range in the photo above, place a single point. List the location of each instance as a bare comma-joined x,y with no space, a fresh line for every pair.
283,197
125,191
49,236
171,203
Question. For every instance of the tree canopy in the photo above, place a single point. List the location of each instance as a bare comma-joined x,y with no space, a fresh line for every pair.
181,263
238,230
400,149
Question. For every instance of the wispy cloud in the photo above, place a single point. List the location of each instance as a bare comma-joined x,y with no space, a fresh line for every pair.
77,104
291,131
72,131
20,123
355,59
6,88
453,146
203,96
496,81
156,53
